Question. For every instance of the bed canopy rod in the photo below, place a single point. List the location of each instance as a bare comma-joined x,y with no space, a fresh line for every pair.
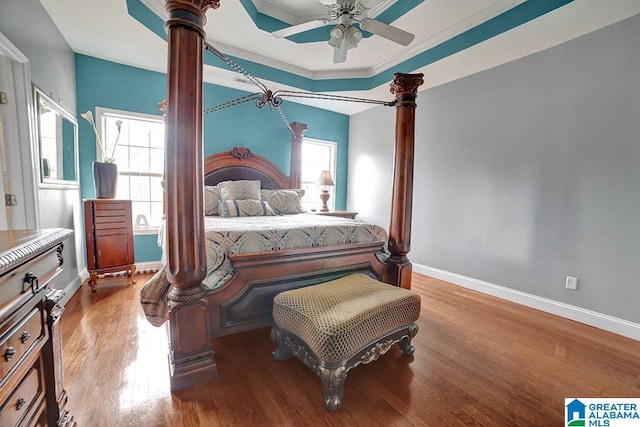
274,99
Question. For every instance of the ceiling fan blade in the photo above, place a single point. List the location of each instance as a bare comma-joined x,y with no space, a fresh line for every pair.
340,53
300,28
368,4
387,31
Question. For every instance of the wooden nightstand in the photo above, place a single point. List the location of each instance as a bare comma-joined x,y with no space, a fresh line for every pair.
341,214
109,238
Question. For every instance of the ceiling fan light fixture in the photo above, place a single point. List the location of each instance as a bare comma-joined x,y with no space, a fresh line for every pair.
344,35
337,35
353,37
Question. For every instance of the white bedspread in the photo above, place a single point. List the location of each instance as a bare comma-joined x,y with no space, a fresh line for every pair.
228,236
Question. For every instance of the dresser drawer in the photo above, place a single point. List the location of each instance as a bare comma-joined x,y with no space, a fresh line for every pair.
39,418
19,339
38,271
25,398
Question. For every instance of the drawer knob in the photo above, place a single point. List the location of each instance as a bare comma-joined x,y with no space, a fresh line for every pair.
8,355
25,337
31,280
20,403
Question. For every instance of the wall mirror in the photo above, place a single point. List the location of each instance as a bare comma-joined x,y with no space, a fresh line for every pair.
57,142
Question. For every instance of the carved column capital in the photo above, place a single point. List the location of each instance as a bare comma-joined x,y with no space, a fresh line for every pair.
406,84
298,129
162,106
200,5
189,13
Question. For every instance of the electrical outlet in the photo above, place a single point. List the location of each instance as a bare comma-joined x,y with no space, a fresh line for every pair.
572,283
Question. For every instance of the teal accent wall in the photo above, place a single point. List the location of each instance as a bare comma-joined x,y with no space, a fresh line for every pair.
107,84
145,248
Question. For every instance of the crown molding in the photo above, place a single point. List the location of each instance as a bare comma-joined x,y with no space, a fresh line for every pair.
492,11
157,7
8,49
496,9
267,7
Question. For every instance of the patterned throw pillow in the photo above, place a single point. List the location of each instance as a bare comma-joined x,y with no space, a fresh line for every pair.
232,208
212,199
240,190
284,201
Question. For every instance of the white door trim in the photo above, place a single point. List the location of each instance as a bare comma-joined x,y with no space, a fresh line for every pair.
23,174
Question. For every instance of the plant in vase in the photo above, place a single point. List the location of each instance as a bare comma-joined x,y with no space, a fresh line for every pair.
105,173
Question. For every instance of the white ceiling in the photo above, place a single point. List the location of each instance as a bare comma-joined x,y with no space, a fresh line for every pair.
104,29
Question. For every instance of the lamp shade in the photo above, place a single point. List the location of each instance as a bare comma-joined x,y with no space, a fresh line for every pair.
325,178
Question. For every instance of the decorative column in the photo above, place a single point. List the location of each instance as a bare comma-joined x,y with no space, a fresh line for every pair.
191,356
405,87
295,172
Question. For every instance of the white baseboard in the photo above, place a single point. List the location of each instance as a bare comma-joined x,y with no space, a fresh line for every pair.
141,268
588,317
148,267
72,288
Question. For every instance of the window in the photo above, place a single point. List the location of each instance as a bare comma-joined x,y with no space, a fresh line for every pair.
317,156
139,154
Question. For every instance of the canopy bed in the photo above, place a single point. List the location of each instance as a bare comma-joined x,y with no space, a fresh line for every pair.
196,312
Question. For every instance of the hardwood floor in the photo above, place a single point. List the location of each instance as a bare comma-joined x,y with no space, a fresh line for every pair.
479,360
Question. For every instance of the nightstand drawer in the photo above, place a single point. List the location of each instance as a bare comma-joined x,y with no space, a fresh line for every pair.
17,342
25,397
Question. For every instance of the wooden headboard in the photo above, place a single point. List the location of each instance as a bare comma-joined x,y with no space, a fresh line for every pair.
241,163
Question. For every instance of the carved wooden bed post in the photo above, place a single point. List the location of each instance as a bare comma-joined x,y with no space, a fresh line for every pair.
405,87
191,356
297,131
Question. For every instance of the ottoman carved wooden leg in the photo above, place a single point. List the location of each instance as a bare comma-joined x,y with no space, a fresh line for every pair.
335,326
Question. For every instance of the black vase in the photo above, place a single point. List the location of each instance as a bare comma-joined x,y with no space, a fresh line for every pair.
105,179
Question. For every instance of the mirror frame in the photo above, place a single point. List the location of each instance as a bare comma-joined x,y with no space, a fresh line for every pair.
41,98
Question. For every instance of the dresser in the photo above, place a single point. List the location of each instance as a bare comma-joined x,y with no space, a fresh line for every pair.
109,238
31,383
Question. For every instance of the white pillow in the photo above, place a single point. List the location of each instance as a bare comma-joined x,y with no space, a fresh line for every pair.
240,190
284,201
233,208
212,199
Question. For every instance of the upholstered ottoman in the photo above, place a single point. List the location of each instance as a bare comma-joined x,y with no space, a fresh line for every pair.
334,326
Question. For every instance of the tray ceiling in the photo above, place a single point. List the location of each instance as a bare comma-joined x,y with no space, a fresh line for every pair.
454,38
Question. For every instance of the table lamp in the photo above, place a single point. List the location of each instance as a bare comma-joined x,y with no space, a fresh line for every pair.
326,181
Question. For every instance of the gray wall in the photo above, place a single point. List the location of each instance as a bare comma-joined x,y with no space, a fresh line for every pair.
28,26
525,173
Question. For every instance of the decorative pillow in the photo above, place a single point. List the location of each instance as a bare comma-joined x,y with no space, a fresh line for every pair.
232,208
284,201
212,199
240,190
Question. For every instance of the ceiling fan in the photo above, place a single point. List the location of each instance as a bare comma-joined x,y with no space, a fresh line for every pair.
344,35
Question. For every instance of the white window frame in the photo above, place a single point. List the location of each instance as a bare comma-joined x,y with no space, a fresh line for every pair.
311,200
101,114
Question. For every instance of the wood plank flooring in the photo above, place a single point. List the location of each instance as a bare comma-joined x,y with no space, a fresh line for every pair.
479,360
